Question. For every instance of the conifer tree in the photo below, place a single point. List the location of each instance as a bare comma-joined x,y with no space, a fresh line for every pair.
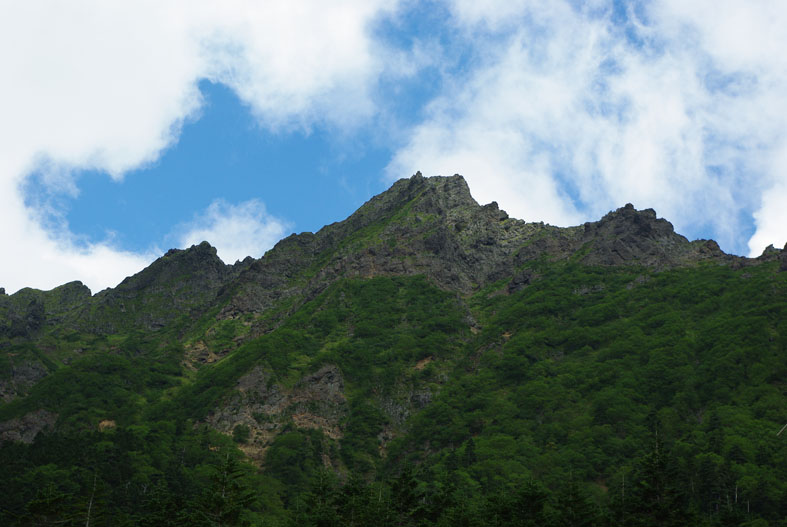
223,503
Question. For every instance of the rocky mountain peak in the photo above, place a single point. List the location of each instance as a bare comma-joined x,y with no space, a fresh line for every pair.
629,221
439,195
420,225
182,281
436,195
28,310
198,261
770,251
72,292
631,236
202,250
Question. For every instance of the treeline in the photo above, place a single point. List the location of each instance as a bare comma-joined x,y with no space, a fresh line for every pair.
176,475
158,474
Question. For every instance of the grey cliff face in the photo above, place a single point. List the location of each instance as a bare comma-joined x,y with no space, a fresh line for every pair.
628,236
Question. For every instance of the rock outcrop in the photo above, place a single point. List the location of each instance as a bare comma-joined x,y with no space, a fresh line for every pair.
22,314
266,407
429,226
21,377
180,283
629,236
27,311
27,427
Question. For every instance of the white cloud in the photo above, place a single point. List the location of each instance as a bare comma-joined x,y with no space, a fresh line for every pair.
299,62
237,231
771,216
747,40
35,257
684,111
89,84
563,116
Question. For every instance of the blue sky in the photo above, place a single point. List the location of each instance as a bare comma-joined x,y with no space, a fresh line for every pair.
308,179
135,127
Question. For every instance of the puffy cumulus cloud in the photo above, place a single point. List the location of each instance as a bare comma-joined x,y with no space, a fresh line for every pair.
771,216
107,85
297,63
771,219
574,110
237,231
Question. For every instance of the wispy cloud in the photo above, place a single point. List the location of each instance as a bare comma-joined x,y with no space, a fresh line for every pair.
237,231
578,108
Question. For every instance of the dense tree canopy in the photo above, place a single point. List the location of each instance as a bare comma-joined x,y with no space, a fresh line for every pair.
593,396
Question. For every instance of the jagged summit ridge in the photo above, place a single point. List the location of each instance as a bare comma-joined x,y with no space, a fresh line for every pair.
428,226
433,226
182,281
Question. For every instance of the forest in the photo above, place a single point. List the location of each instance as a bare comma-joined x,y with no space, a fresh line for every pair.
593,396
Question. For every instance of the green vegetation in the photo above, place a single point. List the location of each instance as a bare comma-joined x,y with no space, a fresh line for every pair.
593,396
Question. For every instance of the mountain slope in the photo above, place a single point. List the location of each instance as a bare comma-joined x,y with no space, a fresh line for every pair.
428,343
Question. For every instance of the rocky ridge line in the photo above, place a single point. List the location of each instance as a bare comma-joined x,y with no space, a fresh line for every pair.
429,226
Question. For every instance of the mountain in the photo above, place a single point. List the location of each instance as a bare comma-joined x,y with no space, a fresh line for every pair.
452,361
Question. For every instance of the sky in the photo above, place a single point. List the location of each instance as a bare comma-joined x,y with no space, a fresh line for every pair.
128,128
